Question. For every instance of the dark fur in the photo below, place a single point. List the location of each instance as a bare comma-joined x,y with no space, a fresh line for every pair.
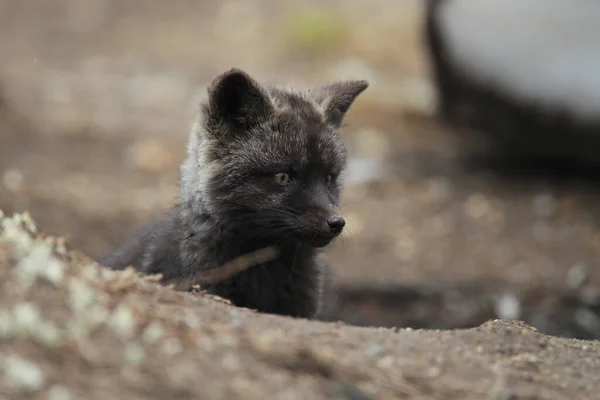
517,128
230,205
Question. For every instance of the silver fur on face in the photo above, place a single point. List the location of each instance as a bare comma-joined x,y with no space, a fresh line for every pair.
280,133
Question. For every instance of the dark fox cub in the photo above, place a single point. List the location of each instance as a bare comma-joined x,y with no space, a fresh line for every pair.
262,169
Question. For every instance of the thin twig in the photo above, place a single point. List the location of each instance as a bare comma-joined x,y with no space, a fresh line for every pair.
231,268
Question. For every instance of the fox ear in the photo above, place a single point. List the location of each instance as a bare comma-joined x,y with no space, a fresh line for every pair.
237,102
336,98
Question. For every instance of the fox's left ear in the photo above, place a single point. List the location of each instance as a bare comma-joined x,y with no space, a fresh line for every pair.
336,98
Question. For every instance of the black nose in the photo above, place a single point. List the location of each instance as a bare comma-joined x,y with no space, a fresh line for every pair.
336,224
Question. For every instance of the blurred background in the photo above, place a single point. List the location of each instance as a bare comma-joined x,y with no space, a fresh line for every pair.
97,96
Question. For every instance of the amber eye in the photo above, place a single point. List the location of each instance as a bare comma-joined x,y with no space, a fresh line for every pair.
329,179
282,178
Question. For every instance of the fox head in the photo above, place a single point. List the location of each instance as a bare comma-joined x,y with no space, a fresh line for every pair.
269,159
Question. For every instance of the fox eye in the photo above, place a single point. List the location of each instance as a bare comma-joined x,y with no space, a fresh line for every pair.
330,178
281,178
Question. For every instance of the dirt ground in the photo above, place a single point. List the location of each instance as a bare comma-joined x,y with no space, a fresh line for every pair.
73,330
96,98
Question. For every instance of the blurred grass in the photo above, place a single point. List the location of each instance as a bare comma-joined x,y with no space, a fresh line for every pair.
315,29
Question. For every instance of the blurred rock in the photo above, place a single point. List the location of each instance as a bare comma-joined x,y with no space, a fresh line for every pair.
508,306
13,180
530,90
576,276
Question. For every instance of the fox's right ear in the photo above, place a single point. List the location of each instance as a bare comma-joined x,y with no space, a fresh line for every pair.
236,103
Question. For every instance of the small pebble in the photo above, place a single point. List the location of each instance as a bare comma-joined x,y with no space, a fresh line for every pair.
507,306
576,276
13,180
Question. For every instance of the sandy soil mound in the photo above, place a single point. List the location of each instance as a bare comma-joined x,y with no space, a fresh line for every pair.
70,330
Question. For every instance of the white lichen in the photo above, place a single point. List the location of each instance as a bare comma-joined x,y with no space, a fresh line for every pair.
61,249
153,332
122,321
26,316
13,234
22,373
81,295
81,325
39,262
47,334
26,220
26,320
54,271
